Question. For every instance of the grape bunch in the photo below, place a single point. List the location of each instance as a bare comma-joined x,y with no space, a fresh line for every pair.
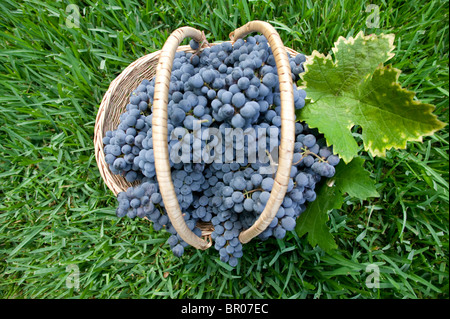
224,120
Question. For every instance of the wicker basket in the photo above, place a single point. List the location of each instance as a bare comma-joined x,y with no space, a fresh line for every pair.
159,64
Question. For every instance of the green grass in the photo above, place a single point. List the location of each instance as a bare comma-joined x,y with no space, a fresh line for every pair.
56,212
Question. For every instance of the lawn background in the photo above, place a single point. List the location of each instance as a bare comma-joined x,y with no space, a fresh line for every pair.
57,216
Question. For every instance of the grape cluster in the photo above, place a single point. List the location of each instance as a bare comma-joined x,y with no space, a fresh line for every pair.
219,94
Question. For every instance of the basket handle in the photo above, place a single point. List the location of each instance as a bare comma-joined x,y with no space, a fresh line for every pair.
160,131
160,140
286,148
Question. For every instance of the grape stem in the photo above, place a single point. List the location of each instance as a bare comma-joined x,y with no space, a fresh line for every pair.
253,190
307,152
273,165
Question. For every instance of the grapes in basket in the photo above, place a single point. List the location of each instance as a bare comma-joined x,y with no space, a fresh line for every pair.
223,132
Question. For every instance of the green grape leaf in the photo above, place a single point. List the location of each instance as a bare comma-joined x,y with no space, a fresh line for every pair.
313,220
357,89
354,180
350,178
